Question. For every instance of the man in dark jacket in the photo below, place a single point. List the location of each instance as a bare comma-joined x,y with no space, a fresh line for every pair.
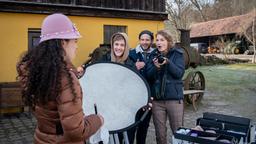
140,56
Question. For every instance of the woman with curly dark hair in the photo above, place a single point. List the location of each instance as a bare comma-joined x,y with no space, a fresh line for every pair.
51,87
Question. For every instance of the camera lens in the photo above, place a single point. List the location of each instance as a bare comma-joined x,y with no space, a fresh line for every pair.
160,59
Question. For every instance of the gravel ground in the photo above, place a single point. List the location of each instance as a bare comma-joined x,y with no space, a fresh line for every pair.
18,129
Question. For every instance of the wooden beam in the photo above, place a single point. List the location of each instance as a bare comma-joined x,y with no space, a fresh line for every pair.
189,92
44,8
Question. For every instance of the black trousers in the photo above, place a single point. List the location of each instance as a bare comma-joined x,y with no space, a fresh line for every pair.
141,130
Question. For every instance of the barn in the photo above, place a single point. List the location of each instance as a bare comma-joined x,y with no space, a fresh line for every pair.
226,29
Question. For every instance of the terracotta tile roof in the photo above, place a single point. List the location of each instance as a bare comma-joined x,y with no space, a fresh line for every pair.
228,25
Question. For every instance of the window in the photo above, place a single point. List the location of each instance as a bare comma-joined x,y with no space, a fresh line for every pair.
109,30
33,37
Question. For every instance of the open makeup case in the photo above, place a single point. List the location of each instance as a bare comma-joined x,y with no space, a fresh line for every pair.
217,129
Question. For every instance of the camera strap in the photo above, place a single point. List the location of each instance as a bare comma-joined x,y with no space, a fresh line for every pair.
164,78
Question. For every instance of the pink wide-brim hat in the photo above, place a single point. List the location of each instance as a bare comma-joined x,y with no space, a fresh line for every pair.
58,26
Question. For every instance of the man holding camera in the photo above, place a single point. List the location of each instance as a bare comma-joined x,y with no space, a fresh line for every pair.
140,55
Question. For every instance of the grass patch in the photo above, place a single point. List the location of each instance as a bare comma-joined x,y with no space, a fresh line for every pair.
231,79
235,84
230,90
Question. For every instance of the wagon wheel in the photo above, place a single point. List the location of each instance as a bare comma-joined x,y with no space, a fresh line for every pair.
194,81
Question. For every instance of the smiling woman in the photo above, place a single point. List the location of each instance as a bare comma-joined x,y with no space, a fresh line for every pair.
119,48
119,54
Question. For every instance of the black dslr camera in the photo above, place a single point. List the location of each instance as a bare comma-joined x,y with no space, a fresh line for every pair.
160,57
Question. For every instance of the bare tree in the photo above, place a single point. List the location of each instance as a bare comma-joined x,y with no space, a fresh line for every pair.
217,9
199,5
250,34
179,15
240,7
252,37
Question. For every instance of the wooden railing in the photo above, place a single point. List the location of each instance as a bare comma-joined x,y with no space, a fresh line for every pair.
145,5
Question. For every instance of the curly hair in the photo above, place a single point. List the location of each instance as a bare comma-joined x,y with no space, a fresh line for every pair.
40,71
